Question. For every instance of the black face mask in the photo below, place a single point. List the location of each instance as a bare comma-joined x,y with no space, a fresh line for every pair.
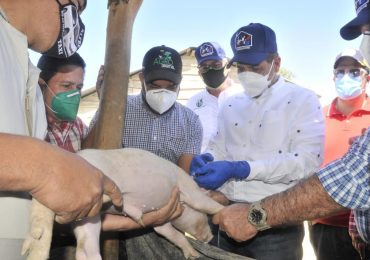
214,78
71,33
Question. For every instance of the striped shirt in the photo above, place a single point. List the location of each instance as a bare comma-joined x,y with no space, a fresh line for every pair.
169,135
347,180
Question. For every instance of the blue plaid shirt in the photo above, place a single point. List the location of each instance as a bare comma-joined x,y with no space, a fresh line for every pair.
347,180
170,135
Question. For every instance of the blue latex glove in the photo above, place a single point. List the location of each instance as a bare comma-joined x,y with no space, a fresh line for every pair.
199,161
213,175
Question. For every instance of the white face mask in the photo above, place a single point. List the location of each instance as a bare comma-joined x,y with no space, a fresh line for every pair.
160,100
254,84
365,47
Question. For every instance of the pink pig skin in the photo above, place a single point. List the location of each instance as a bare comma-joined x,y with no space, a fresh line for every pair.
146,182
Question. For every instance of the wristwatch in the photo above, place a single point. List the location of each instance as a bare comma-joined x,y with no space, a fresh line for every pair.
257,216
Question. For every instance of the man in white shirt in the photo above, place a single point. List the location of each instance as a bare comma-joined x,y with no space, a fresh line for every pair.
212,61
269,137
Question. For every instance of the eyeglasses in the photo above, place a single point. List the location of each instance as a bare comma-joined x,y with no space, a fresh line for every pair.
214,66
353,73
172,87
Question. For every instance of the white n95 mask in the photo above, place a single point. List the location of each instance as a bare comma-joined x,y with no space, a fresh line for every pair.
254,84
160,100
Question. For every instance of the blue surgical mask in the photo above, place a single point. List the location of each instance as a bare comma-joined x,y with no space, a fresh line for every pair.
348,87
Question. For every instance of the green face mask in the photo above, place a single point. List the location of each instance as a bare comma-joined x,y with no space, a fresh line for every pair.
65,105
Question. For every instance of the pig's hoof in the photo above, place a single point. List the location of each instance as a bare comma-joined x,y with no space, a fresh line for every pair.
37,243
34,249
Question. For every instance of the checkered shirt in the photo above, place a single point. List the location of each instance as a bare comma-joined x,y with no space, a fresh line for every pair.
170,135
67,135
347,180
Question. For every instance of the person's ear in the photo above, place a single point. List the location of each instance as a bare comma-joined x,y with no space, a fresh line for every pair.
141,77
277,63
43,85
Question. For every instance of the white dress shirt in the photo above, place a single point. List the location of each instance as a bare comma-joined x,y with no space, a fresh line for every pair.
206,106
280,134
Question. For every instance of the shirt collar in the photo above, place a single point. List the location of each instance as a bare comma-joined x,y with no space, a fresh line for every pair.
334,112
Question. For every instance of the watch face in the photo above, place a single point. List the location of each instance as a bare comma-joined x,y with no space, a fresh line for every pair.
256,216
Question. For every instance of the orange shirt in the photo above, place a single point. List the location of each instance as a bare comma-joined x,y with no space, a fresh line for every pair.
338,131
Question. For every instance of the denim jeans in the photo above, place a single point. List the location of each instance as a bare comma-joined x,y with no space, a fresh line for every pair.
271,244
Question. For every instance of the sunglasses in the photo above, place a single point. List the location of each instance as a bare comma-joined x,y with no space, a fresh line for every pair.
352,73
215,66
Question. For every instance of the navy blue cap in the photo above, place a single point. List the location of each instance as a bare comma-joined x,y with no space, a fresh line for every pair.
209,51
164,63
253,43
352,29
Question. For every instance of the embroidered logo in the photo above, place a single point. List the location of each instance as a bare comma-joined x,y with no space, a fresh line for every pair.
199,103
243,40
206,50
164,60
360,5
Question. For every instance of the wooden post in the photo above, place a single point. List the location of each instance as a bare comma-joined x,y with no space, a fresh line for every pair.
108,130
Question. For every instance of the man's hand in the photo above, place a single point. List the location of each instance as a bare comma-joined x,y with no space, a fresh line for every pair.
99,81
73,188
168,212
213,175
199,161
359,245
233,220
357,241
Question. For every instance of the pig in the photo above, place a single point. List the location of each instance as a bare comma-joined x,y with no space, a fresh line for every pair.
146,182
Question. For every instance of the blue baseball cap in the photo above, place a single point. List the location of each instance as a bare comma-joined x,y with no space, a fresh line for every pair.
209,51
252,44
352,29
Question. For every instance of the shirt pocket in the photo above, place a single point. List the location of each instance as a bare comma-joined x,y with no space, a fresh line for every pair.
272,130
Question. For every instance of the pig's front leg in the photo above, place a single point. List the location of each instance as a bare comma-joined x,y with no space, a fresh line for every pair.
178,238
87,232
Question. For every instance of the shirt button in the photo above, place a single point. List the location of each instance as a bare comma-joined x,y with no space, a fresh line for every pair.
155,138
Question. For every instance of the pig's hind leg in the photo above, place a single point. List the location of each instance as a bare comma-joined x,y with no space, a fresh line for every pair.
177,238
87,234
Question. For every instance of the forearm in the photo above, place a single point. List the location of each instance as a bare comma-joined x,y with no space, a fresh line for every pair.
184,162
305,201
88,142
24,161
118,223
